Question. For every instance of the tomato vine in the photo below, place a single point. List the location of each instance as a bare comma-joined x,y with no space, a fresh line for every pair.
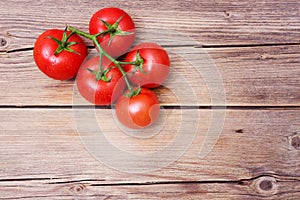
102,52
101,80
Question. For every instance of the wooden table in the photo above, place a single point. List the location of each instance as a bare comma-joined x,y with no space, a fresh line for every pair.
255,46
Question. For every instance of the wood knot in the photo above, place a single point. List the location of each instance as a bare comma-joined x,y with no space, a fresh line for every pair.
227,14
3,42
295,141
265,186
77,189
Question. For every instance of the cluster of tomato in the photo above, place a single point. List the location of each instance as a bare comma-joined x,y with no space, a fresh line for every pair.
103,79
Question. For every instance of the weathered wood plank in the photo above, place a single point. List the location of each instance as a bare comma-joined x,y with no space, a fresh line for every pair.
43,143
265,187
251,76
209,23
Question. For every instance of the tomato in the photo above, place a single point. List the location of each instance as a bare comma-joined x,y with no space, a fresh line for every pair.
138,111
100,92
58,56
153,65
119,35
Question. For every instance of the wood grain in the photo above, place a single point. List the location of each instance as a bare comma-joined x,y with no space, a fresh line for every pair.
209,23
42,154
44,142
245,50
253,76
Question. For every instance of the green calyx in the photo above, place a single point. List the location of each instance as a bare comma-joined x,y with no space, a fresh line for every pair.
100,75
63,44
138,64
139,61
113,30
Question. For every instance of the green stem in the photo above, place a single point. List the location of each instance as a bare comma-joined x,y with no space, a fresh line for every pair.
127,63
95,41
79,32
100,70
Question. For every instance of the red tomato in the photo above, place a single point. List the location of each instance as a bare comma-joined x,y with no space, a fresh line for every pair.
154,67
120,35
100,92
138,111
61,65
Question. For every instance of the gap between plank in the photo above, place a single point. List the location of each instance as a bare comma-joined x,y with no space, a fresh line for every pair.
238,181
195,46
167,107
250,45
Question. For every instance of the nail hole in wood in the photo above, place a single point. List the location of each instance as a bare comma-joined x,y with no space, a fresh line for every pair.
295,142
227,14
263,56
239,131
3,42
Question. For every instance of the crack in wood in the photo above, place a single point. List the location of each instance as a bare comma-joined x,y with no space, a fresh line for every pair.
77,181
192,46
19,50
238,182
279,178
25,179
250,45
36,197
173,107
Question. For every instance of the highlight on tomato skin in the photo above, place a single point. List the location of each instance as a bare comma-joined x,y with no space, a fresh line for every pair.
154,65
100,92
139,111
